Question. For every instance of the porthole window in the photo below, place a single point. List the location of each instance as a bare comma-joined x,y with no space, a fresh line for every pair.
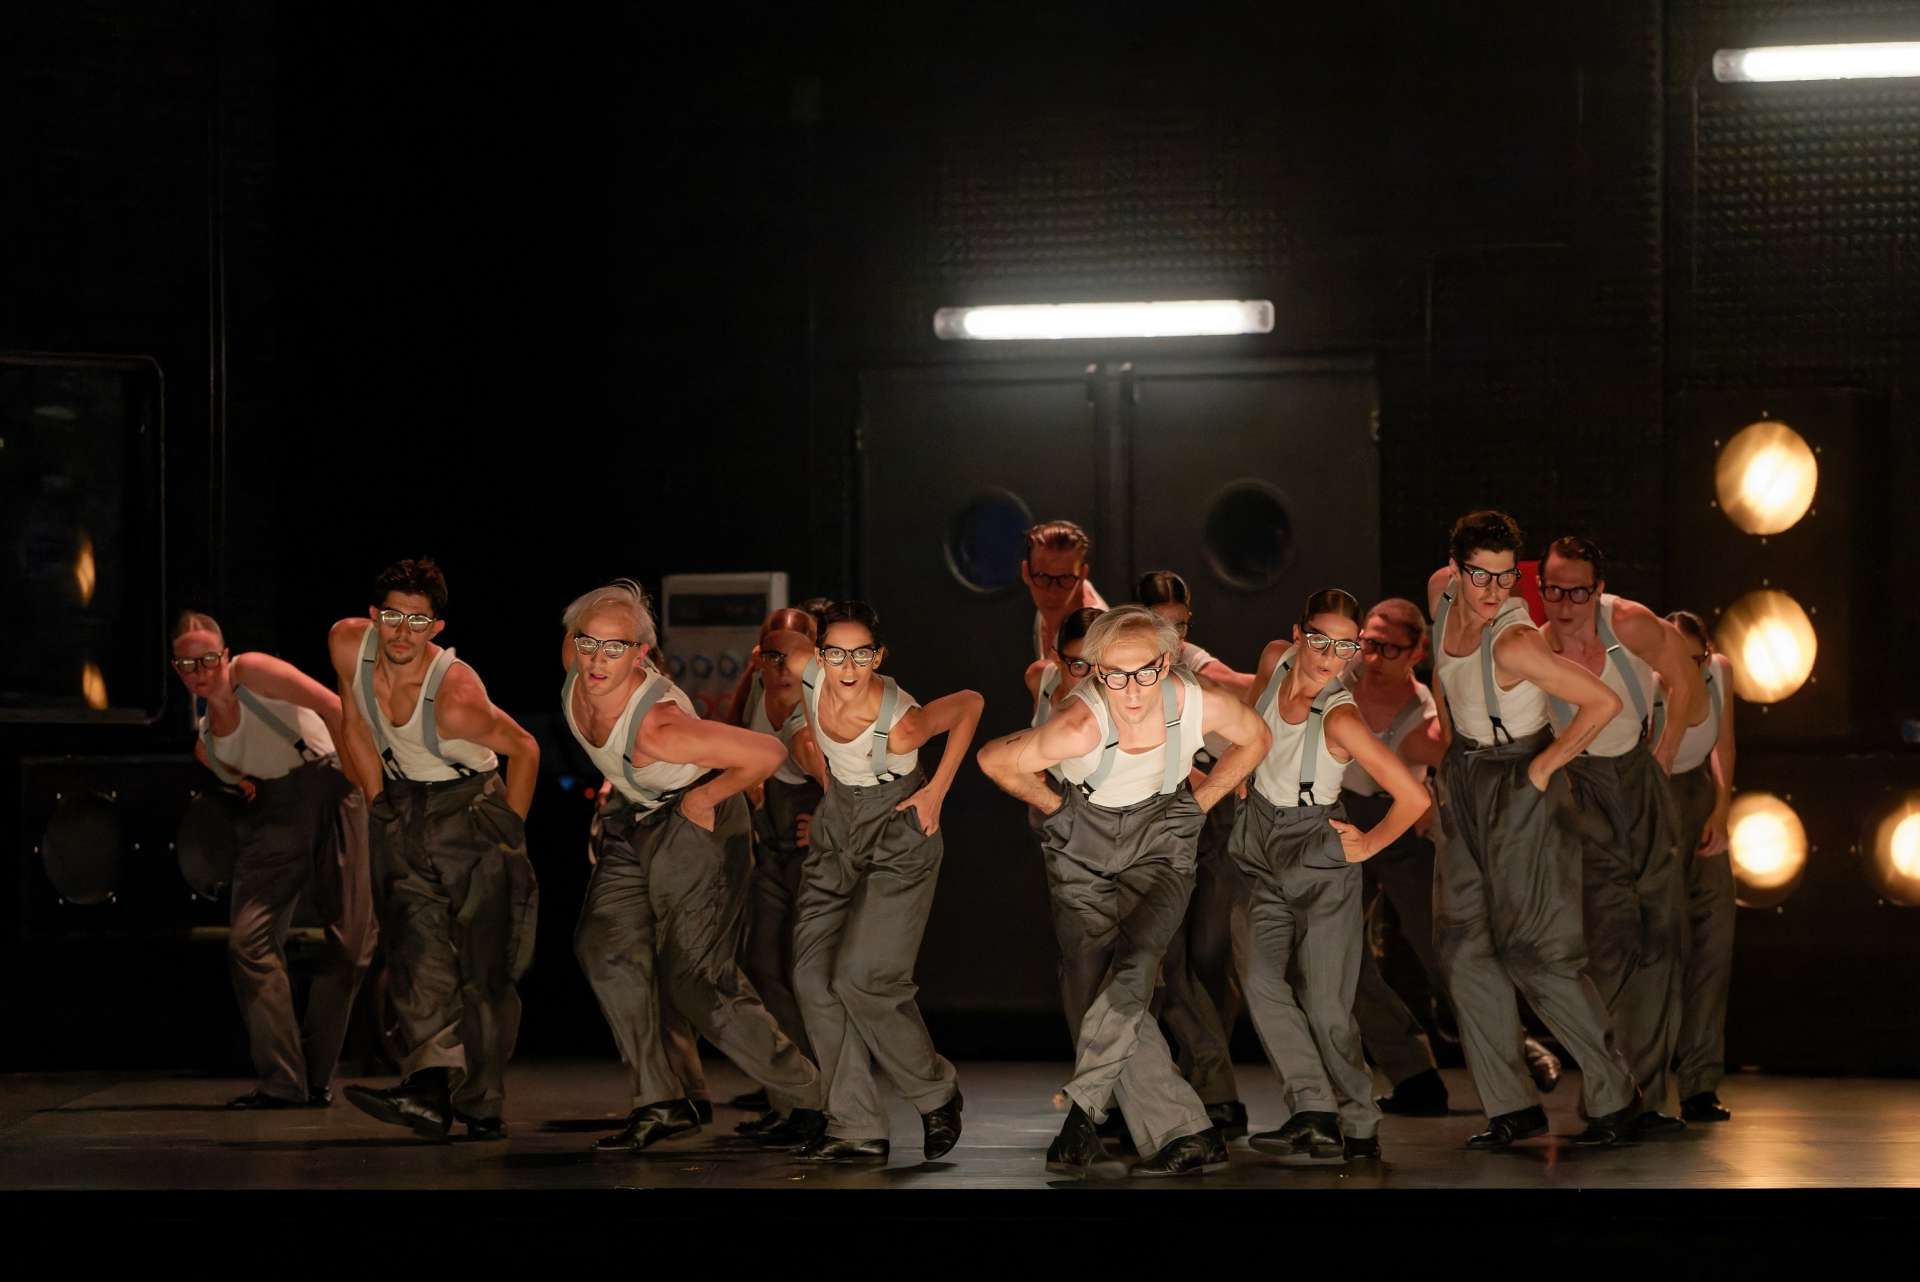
986,541
1249,535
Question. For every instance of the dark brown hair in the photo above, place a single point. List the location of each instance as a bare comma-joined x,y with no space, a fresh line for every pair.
1487,530
416,577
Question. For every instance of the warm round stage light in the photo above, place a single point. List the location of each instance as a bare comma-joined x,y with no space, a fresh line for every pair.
1770,641
1766,477
1768,846
1893,852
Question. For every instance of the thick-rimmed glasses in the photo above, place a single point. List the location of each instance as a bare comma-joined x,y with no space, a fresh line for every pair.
1143,677
1078,667
1578,595
416,622
594,645
1387,650
1055,580
1322,644
206,662
836,656
1480,578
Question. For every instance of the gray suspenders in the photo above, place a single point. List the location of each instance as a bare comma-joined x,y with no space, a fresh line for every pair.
1174,767
1490,689
652,693
1316,714
377,719
1715,698
267,718
1049,681
1617,656
882,724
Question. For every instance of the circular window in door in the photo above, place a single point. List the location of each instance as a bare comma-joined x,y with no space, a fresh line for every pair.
987,540
1249,535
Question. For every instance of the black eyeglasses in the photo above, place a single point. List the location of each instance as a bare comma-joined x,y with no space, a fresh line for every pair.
1385,649
612,649
1480,578
1078,667
1054,580
836,656
773,658
1576,595
1320,644
1144,677
394,618
206,662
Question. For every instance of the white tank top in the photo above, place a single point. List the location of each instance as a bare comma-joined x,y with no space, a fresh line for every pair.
1193,658
1134,776
643,785
1279,774
1523,709
1413,715
1620,735
405,747
853,763
260,750
1042,643
1697,744
796,721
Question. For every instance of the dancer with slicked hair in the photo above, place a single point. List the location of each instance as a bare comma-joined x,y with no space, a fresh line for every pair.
273,733
1059,559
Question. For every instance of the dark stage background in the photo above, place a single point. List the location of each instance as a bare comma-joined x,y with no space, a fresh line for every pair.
555,302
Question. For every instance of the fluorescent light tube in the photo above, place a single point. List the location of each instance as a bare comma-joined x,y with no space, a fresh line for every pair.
1106,320
1818,62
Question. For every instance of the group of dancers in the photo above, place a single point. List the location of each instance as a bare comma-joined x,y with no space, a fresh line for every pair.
1211,838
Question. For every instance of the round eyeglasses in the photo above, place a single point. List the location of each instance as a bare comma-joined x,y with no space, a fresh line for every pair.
836,656
1143,677
206,662
415,622
1320,644
594,645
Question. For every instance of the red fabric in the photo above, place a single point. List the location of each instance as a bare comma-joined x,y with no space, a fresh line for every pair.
1529,587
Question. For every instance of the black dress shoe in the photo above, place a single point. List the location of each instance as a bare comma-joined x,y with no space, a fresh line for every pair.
797,1130
649,1124
1186,1155
1704,1107
1368,1148
1510,1128
760,1125
1306,1138
485,1129
1077,1149
1230,1119
752,1101
1652,1125
942,1127
320,1097
1422,1095
420,1102
703,1109
838,1152
1542,1065
1614,1128
255,1101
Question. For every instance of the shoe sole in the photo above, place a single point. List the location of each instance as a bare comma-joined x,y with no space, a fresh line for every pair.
635,1150
381,1111
1142,1173
1292,1156
862,1160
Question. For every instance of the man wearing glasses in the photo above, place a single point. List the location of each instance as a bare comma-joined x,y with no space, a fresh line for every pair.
1055,573
1507,887
1120,842
458,895
270,730
1635,901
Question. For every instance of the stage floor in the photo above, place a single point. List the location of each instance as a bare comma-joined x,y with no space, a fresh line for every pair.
159,1132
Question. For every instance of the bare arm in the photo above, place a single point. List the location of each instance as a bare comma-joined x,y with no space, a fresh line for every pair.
1018,762
1524,653
1270,658
278,679
1426,746
1714,840
805,751
1035,671
1219,674
356,743
1664,649
743,757
1241,726
956,716
463,711
1347,730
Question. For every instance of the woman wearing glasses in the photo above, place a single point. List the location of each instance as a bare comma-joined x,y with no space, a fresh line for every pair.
662,917
1301,859
867,885
270,730
1120,848
1702,786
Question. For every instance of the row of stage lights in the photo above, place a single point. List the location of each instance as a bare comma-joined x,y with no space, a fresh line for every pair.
1765,479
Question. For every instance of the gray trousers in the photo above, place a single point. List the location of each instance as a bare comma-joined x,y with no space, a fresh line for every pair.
1402,874
458,905
1119,882
1304,968
1507,915
1200,996
1702,1051
776,884
662,920
304,831
866,888
1634,908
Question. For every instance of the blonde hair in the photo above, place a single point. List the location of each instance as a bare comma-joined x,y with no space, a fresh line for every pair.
196,621
1124,621
621,594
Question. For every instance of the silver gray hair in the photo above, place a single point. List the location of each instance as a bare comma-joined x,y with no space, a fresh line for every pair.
1124,621
621,594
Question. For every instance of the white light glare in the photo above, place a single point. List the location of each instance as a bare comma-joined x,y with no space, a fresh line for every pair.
1190,318
1818,62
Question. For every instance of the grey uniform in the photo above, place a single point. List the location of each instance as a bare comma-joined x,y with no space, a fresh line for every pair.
1701,1055
1120,877
778,858
866,887
305,830
1507,898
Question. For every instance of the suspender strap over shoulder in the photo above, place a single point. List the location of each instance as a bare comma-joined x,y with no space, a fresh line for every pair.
882,727
220,772
655,691
1316,715
1490,689
1173,761
376,719
429,731
1617,656
275,724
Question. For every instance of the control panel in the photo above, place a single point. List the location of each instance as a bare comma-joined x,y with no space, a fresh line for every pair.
710,622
